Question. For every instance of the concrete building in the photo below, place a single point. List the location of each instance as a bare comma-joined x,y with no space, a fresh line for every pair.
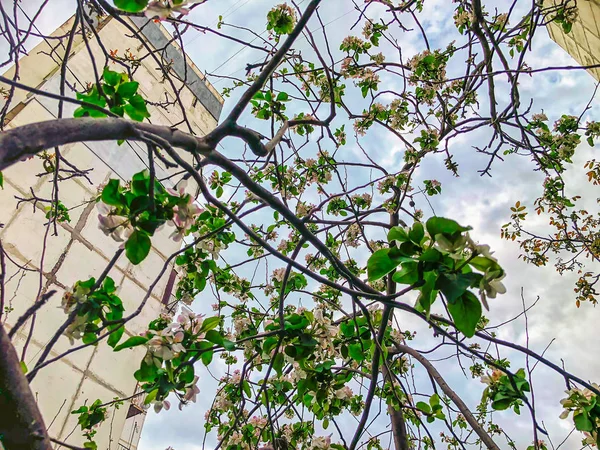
583,41
80,250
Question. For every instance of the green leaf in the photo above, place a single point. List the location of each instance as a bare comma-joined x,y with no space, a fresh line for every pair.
291,351
116,335
24,368
134,114
403,253
133,341
146,372
466,312
428,293
139,204
482,263
150,397
398,234
380,264
364,90
417,233
409,273
199,282
278,363
128,90
229,345
118,110
440,225
89,338
109,285
87,284
131,5
138,102
215,337
210,323
454,285
282,97
187,374
110,77
1,180
246,388
110,193
306,340
501,402
430,255
85,111
207,357
140,183
295,322
269,344
423,407
137,247
356,352
583,422
149,226
108,90
93,98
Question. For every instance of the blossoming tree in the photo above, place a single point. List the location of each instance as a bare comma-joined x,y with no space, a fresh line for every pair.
349,263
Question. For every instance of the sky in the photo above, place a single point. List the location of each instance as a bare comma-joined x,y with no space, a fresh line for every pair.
481,202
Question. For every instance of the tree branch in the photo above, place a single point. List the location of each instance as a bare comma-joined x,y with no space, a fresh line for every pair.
27,140
22,426
464,409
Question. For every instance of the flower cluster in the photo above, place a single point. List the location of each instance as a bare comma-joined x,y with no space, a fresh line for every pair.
428,66
586,412
355,44
167,366
167,343
353,235
161,9
281,19
134,212
93,306
117,227
462,18
492,378
184,213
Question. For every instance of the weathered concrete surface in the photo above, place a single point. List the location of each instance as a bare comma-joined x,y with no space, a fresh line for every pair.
583,41
80,250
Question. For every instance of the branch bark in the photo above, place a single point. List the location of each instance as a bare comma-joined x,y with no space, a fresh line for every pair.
463,408
22,426
399,432
27,140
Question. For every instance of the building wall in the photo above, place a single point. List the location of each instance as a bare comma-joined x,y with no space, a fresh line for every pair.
583,41
79,250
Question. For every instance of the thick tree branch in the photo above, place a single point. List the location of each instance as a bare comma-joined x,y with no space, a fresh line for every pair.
236,112
464,409
399,432
22,426
21,142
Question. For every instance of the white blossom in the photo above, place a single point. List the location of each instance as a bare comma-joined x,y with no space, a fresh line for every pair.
117,227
